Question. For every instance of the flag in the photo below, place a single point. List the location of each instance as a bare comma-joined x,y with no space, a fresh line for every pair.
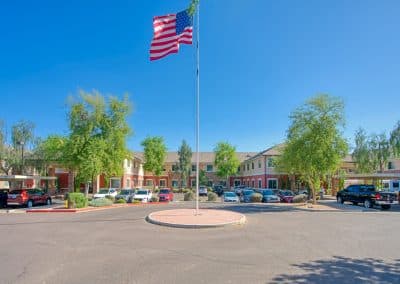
170,31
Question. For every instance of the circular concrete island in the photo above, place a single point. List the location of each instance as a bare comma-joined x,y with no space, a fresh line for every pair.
187,218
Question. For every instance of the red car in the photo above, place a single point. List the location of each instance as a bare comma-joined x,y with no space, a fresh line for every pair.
286,196
166,195
28,197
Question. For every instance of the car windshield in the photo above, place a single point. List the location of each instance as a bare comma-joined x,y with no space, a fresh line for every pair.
268,192
164,191
125,192
229,194
248,192
103,191
287,193
142,192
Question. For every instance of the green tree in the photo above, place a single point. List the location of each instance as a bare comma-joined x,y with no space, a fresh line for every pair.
22,138
192,6
315,146
226,161
394,140
203,179
96,143
361,153
380,151
155,153
8,155
185,161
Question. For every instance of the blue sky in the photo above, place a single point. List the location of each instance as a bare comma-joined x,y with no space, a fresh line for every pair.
259,60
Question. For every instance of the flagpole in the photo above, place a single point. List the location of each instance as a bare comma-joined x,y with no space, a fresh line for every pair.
197,109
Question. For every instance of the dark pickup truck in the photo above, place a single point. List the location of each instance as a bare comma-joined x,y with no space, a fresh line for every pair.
367,195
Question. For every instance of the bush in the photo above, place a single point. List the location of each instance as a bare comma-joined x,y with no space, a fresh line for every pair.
110,197
256,197
156,190
136,201
100,202
300,198
176,190
154,199
189,196
120,201
76,200
212,196
186,190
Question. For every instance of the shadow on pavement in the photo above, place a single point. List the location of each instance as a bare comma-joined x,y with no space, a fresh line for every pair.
344,270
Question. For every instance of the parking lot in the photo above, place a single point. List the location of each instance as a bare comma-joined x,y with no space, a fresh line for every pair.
277,245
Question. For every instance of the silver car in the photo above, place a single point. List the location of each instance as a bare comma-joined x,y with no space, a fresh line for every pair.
230,196
269,196
127,194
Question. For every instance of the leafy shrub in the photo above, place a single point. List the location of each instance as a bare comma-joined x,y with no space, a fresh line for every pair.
154,199
76,200
120,201
100,202
176,190
212,196
188,196
156,190
300,198
136,201
256,197
110,197
186,190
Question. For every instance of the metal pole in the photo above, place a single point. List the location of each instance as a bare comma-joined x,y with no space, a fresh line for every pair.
197,112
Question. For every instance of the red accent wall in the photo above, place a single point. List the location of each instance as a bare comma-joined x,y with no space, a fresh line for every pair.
62,180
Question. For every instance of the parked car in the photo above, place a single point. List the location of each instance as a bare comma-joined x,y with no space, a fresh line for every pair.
103,192
367,195
286,196
143,195
230,196
3,197
218,189
126,194
269,196
28,197
246,195
203,191
166,194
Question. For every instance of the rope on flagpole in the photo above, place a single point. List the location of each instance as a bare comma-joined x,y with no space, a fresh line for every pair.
197,110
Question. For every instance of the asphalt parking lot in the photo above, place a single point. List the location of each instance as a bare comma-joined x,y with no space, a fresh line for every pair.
277,245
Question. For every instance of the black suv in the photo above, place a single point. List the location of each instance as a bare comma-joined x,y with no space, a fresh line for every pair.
367,195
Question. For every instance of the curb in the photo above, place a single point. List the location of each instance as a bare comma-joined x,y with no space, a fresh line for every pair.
241,221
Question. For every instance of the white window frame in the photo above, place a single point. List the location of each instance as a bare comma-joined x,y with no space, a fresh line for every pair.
149,182
268,162
212,168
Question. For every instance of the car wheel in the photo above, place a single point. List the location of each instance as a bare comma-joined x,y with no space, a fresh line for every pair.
48,201
29,204
385,207
367,204
340,200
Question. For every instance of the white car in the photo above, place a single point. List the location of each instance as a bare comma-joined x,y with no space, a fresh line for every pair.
143,195
103,192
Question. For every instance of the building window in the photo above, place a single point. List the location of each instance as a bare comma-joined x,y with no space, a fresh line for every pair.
210,183
149,182
128,163
272,183
128,183
237,182
193,168
183,183
248,167
239,169
390,166
252,165
259,164
174,168
209,168
259,183
163,183
270,162
193,183
253,184
174,183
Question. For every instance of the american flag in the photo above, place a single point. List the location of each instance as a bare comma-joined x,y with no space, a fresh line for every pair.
169,31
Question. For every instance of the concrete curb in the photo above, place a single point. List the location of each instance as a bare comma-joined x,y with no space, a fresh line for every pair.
242,220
